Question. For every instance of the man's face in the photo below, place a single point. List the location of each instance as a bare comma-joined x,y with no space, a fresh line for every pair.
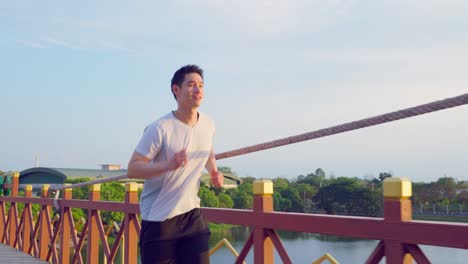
190,94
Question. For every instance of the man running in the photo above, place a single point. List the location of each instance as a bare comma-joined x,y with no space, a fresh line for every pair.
171,156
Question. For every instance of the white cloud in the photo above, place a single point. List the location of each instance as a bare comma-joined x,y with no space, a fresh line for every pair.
62,43
149,24
30,44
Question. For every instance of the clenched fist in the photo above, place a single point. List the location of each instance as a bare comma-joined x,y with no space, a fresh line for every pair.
217,178
179,160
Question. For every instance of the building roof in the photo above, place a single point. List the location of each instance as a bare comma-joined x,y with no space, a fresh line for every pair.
75,173
59,175
89,173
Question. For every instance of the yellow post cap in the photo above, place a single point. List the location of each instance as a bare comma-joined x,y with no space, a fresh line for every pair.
131,187
28,187
263,187
397,188
16,174
94,187
45,187
67,189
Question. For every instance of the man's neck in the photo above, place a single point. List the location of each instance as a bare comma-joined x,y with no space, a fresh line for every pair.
187,116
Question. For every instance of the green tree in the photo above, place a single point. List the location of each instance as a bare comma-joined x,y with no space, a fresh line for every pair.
320,173
225,201
79,193
208,197
384,175
281,183
295,202
280,203
348,196
313,179
248,180
243,201
242,196
112,191
307,192
246,187
447,187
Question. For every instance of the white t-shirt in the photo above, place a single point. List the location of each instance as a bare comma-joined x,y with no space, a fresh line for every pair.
175,192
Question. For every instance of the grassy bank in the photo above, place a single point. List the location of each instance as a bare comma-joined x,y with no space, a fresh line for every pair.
220,227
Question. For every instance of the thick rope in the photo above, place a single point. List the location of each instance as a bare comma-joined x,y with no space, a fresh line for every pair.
372,121
367,122
83,184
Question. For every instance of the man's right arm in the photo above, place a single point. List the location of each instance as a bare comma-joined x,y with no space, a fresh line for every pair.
142,167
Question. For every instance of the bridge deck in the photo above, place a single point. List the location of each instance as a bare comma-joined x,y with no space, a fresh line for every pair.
11,255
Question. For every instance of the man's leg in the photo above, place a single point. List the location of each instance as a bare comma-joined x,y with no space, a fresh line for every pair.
193,249
156,246
158,252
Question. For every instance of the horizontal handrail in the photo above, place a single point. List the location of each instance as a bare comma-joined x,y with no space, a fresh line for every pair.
444,234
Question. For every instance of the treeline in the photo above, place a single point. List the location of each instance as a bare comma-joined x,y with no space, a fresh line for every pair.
318,193
444,196
312,193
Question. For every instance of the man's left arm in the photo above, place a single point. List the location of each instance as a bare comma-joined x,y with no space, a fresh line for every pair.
217,178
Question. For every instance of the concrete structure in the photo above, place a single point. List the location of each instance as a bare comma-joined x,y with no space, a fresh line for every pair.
230,180
57,176
110,167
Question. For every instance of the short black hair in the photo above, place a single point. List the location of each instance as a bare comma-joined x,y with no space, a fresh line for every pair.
179,75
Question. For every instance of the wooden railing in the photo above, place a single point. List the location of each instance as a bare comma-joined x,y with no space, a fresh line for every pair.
49,242
398,234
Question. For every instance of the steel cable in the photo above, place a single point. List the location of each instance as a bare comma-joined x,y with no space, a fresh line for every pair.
367,122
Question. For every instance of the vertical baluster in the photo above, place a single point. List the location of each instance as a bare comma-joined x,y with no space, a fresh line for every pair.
64,255
13,216
44,236
93,231
27,227
263,202
130,235
397,208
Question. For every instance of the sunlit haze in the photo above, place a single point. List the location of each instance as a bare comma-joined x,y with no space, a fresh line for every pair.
80,80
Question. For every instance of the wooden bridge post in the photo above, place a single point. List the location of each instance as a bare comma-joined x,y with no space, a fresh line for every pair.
92,253
15,184
64,255
263,202
27,212
13,215
397,208
131,235
44,226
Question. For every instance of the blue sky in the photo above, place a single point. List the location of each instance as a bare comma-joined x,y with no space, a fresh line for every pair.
80,81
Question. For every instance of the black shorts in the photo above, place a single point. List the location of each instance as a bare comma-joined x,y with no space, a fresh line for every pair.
181,239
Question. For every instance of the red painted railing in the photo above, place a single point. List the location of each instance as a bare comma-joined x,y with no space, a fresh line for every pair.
399,236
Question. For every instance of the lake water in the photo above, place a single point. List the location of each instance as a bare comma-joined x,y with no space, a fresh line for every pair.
305,248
